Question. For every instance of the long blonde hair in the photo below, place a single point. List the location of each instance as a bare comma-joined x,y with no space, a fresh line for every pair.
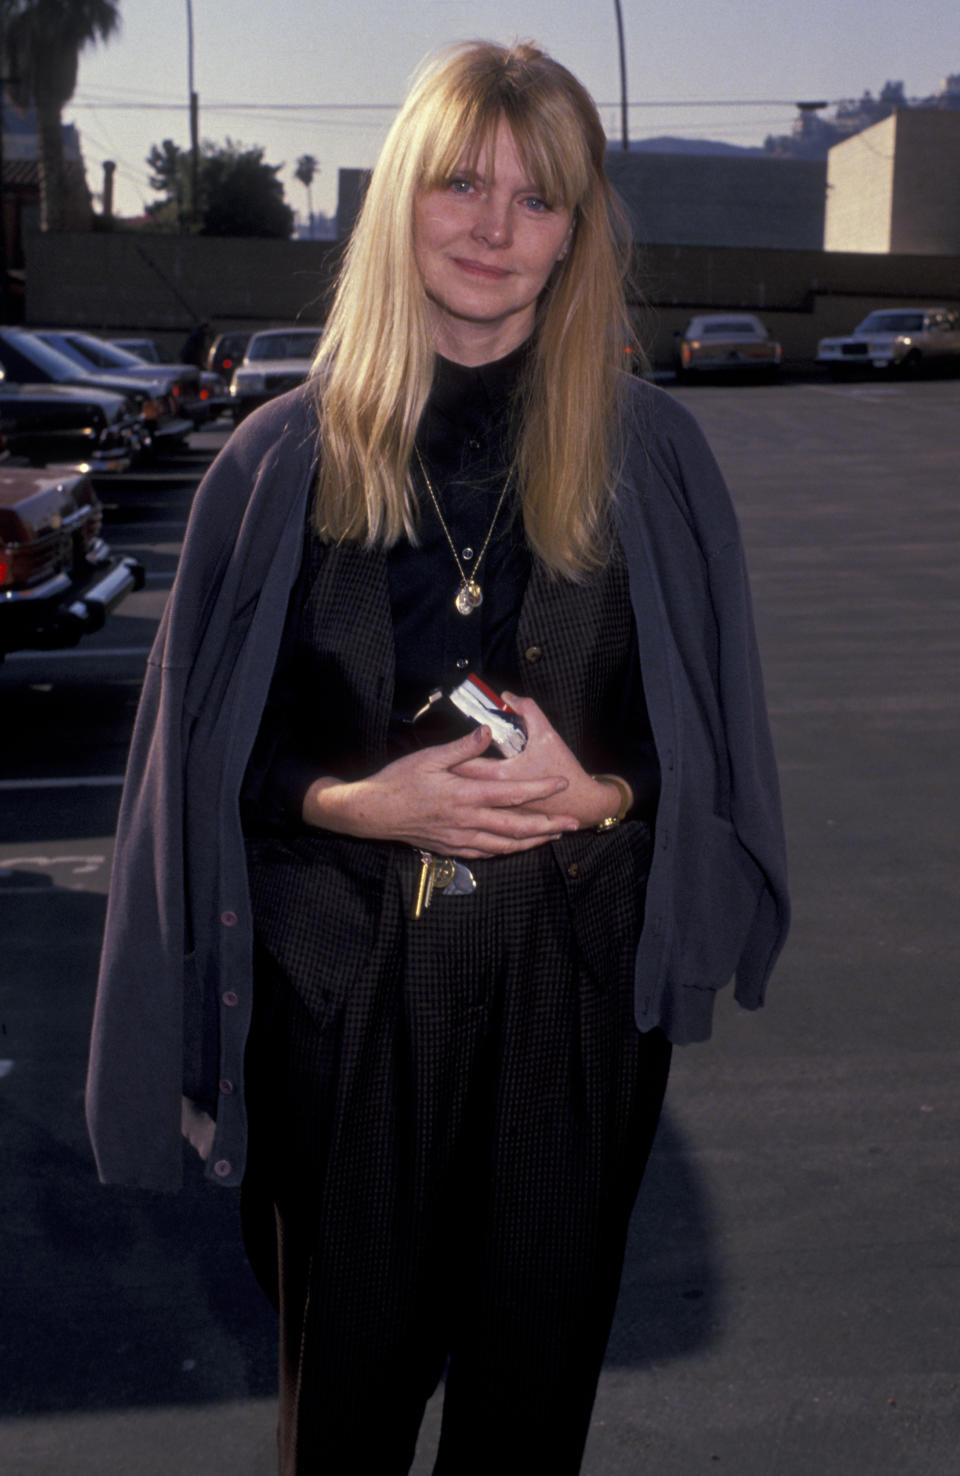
375,364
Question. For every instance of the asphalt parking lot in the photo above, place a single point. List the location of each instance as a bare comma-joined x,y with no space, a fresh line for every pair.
790,1301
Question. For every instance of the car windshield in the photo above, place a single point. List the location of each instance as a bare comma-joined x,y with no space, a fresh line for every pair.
283,346
892,323
142,350
50,361
730,327
105,355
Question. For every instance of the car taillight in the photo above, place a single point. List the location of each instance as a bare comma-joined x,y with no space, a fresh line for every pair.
34,561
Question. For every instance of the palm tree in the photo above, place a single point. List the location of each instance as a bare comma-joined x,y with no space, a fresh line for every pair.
306,168
44,39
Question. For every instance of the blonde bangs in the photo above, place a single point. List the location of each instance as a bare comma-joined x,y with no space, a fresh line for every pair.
545,128
378,353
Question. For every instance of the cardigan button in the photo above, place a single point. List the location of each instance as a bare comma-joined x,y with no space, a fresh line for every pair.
573,869
533,654
230,998
226,1086
229,919
223,1168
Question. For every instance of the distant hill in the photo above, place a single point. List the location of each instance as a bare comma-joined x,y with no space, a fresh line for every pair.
667,144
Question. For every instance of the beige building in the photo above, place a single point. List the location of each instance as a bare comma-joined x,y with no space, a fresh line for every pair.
895,188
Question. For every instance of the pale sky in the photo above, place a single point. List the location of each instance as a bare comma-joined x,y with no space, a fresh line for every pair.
263,69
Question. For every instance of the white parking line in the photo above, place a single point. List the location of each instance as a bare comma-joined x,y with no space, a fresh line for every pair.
874,392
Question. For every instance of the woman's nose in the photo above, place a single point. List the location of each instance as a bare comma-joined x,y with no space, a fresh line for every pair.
493,222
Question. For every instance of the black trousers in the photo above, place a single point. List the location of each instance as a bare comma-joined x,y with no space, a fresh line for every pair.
450,1119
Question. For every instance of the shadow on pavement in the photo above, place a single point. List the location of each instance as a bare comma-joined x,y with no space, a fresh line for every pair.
130,1299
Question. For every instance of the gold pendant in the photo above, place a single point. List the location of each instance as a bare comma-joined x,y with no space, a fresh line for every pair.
469,596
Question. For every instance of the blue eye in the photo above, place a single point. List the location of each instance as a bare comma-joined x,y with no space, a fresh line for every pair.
461,185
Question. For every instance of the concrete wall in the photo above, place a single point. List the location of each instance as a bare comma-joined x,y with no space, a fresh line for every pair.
860,190
716,200
162,284
926,185
113,281
896,186
802,296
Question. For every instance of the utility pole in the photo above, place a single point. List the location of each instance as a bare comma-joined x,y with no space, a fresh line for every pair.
4,79
194,124
624,127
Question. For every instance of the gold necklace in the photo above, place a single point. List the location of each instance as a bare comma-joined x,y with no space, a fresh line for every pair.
469,596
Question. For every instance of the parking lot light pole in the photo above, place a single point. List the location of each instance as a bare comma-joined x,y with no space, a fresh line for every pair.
194,124
624,128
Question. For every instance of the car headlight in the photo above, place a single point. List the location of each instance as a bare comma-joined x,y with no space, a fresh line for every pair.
247,382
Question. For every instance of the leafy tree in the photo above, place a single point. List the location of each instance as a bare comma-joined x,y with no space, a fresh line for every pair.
239,194
306,169
43,40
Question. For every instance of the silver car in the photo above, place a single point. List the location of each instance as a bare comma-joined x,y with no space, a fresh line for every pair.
276,360
894,338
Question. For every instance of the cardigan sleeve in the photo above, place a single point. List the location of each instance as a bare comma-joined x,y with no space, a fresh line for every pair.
717,906
137,1068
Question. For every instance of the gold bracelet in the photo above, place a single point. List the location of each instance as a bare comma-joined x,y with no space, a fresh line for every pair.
626,800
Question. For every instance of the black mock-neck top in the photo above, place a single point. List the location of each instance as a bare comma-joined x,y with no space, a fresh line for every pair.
465,439
466,444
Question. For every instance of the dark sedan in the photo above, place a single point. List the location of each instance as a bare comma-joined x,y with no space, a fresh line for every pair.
214,394
63,424
58,579
26,359
180,382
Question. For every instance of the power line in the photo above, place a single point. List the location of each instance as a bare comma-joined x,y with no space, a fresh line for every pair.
361,107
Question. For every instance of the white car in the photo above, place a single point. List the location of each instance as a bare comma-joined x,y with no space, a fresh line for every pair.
276,360
725,343
894,338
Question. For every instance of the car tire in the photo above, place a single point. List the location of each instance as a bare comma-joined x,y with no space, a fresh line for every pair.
911,364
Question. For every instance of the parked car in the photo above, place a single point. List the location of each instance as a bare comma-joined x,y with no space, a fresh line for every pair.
26,359
58,579
894,338
146,349
724,343
180,382
226,352
276,360
62,423
214,392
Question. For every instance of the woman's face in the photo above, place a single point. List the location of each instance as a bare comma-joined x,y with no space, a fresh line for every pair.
485,245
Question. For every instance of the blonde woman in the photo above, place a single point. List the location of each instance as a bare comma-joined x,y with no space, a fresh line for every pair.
418,997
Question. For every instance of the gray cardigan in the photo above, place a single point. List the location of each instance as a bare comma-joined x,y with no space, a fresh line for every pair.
175,991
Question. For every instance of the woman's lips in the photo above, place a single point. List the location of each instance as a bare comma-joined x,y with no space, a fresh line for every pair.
479,269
